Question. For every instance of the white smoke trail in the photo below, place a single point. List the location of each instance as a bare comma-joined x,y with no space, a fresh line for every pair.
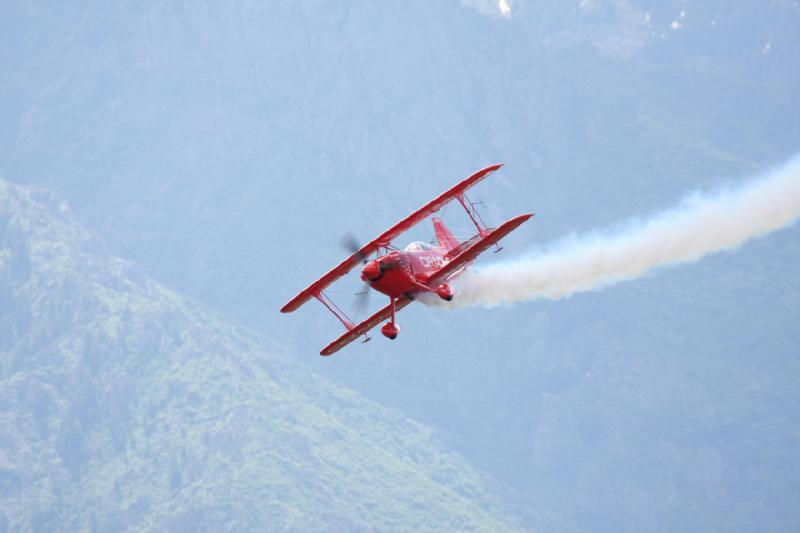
700,225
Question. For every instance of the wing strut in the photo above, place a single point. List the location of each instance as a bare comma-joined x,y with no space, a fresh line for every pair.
475,216
335,309
469,207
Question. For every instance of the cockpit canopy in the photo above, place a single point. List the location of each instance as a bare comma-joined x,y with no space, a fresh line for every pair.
418,246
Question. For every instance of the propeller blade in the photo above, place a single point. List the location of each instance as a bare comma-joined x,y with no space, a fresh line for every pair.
362,298
351,244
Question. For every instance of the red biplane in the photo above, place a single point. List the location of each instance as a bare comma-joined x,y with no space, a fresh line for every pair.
419,268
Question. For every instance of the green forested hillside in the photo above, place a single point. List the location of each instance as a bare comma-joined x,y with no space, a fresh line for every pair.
126,407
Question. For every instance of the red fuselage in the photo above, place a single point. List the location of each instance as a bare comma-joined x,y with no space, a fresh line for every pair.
404,273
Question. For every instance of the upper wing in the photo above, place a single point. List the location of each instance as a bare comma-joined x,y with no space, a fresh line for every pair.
470,253
431,207
365,326
385,238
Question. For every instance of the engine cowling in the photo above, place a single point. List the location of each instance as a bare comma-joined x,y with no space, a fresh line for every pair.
372,271
390,330
445,292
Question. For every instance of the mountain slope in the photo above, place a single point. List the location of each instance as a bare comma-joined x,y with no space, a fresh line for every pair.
126,407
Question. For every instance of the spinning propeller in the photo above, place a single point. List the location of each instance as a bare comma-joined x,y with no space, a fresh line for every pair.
351,244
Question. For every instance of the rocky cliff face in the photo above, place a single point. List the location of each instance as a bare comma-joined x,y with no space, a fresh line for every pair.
125,406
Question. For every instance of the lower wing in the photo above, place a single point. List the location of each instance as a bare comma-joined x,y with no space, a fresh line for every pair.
365,326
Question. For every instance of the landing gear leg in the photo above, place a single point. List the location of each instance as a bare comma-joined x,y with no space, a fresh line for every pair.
390,329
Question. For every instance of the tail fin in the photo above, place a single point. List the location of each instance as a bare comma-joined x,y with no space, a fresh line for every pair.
446,239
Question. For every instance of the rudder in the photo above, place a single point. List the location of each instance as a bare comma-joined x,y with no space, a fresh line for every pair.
446,239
